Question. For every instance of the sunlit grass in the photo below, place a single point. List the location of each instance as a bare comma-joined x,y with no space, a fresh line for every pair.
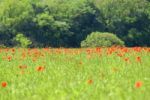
75,74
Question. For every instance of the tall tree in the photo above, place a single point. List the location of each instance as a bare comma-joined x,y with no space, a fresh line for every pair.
124,16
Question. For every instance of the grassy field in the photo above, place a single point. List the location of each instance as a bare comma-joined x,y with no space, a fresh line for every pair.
75,74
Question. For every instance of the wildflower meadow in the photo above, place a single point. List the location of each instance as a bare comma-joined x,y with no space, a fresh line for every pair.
115,73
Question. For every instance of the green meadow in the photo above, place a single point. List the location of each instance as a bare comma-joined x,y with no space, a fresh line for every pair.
75,74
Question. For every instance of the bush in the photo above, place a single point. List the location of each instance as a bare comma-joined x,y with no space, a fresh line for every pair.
2,46
22,41
98,39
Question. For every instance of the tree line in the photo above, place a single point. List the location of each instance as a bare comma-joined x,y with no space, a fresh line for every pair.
65,23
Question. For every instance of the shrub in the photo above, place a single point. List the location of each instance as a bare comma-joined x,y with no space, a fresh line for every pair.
22,41
2,46
98,39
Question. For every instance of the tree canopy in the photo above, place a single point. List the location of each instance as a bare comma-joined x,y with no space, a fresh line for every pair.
65,23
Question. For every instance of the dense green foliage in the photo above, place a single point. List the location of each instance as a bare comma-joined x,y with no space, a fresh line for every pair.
129,19
66,23
97,39
22,41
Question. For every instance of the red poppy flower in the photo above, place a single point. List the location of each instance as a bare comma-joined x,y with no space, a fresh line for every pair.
98,49
40,68
88,51
22,66
4,84
90,81
138,84
9,58
120,54
126,59
138,59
